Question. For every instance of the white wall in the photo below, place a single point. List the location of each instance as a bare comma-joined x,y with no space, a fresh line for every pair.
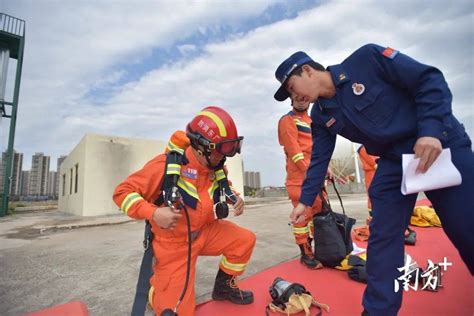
72,202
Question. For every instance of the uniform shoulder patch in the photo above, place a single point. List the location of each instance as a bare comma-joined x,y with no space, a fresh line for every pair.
390,52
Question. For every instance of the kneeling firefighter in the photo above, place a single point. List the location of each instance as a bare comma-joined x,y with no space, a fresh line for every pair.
177,240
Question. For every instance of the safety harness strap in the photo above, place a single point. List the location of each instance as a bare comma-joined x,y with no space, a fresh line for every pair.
146,270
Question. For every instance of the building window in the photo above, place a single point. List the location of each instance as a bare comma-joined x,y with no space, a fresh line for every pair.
76,179
70,183
64,184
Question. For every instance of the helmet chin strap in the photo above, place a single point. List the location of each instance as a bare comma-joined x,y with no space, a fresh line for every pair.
203,152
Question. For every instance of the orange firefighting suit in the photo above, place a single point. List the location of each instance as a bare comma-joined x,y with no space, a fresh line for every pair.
369,166
294,134
212,237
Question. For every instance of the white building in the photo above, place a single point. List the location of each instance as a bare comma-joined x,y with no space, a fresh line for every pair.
93,169
56,182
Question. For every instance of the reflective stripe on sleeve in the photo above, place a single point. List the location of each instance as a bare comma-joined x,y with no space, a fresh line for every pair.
300,230
297,157
129,200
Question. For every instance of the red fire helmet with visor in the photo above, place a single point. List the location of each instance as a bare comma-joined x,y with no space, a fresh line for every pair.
213,130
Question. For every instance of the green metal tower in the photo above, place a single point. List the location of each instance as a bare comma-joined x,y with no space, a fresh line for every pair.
12,43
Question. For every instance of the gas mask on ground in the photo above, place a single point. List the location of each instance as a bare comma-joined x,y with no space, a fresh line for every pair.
291,298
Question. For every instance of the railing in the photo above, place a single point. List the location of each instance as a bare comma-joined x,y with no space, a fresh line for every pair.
12,25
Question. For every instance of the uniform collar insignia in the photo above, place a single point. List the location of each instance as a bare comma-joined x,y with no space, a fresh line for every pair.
339,75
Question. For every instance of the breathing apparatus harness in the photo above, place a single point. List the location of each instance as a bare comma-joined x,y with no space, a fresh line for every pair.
171,197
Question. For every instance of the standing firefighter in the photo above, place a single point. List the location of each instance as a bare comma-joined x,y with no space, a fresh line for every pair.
393,105
294,134
213,137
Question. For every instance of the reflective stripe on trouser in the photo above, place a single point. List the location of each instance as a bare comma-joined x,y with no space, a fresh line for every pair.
304,229
220,237
391,213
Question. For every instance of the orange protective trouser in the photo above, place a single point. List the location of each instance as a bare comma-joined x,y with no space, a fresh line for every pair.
219,237
369,175
301,230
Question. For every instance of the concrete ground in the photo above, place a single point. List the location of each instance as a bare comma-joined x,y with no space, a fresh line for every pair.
50,257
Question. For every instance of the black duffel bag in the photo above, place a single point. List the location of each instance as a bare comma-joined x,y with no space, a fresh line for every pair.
332,234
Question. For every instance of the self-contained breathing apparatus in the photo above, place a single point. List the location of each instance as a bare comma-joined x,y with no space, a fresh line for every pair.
291,298
333,240
171,197
332,233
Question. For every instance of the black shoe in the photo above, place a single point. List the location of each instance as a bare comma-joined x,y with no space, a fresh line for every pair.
365,313
410,239
307,257
226,288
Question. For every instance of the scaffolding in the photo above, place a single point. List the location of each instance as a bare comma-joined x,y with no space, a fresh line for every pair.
12,43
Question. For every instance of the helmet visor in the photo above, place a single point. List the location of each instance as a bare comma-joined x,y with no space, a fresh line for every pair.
230,147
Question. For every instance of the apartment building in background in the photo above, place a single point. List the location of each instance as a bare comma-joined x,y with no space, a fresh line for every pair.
25,183
39,173
252,179
16,172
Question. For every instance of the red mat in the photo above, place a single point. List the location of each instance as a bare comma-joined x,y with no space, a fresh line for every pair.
344,296
75,308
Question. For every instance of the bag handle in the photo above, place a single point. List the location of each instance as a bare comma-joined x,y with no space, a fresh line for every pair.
338,195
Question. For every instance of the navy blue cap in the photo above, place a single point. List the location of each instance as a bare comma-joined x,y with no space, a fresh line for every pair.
284,71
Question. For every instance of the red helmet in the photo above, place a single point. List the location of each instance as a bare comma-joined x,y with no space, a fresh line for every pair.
214,129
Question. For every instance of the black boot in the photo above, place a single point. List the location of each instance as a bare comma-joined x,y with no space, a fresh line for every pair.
226,288
410,238
307,257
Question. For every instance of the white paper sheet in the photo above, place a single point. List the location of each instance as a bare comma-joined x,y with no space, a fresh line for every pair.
357,250
441,174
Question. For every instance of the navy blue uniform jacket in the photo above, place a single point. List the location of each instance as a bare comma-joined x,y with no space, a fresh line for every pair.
402,100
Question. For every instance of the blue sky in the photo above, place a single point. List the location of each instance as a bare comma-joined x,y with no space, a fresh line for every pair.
193,45
143,69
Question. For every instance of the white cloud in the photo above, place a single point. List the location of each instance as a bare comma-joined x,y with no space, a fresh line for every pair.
237,73
187,49
72,47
